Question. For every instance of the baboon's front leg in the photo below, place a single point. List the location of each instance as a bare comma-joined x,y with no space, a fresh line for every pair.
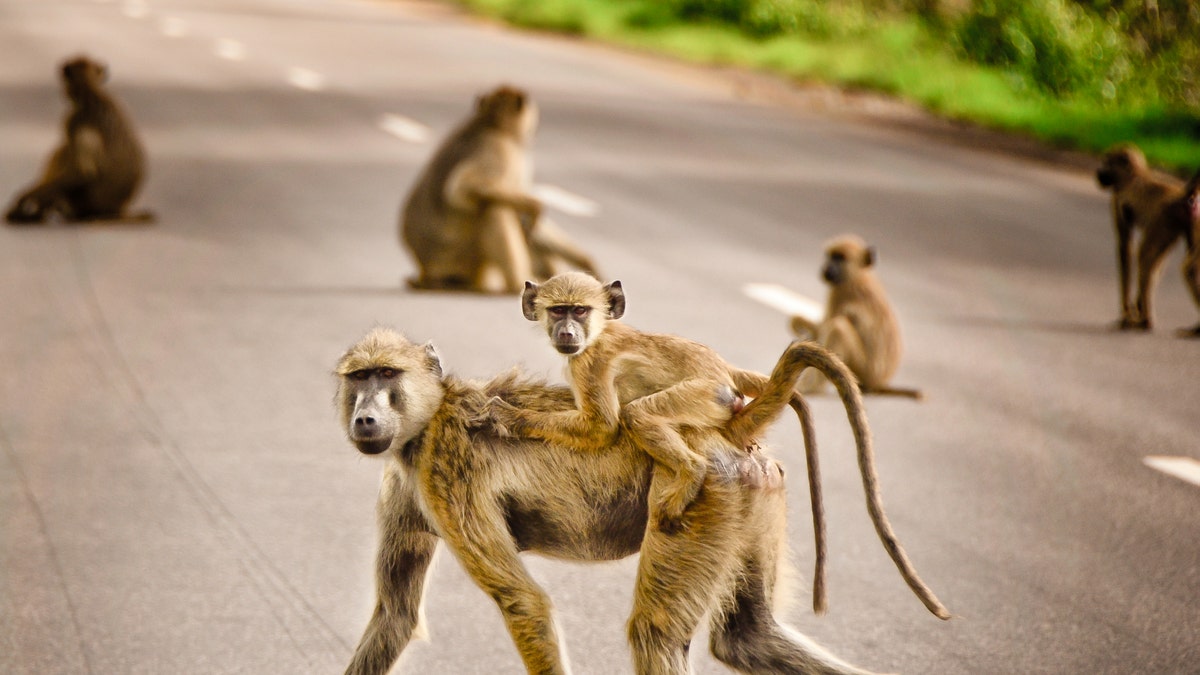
406,548
479,536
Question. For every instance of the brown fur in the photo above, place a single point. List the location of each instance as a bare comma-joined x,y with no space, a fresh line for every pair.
1142,201
654,386
451,478
860,325
470,221
99,167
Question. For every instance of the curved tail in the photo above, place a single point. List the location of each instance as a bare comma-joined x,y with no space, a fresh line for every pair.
777,391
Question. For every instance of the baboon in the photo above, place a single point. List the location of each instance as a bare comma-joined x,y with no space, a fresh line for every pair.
1186,211
450,477
99,167
860,325
1142,199
470,221
655,386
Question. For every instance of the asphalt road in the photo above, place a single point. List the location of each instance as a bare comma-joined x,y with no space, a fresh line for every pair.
176,497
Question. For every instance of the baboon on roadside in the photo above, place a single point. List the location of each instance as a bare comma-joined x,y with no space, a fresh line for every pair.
470,221
450,477
1186,211
1142,199
98,168
860,325
656,385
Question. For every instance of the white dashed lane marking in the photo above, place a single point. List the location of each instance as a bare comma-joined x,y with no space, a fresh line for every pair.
786,301
404,128
303,78
567,202
229,49
1183,468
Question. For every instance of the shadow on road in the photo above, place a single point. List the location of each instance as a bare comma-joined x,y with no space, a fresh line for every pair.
1033,325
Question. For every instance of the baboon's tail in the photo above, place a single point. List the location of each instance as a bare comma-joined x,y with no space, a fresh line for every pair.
847,387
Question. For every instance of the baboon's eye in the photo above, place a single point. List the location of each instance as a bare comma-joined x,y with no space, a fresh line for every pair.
360,374
580,312
388,373
557,312
837,256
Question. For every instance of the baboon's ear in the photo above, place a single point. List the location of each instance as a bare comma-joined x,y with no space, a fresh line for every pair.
616,300
869,256
433,359
528,298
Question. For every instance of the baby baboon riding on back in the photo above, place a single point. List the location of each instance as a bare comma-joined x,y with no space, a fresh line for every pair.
655,385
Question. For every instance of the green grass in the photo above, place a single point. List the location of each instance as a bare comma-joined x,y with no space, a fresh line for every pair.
898,55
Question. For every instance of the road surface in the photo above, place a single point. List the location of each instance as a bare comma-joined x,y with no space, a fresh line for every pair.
175,495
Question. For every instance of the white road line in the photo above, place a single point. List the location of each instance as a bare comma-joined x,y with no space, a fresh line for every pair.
564,201
303,78
1183,468
230,49
786,301
173,26
404,128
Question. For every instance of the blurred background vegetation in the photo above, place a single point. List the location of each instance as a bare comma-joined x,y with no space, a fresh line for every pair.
1075,73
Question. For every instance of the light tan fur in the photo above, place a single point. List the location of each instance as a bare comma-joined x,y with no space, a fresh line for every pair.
1142,202
860,325
470,221
100,165
656,386
450,477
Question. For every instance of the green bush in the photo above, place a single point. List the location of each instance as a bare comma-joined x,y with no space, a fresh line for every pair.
1059,47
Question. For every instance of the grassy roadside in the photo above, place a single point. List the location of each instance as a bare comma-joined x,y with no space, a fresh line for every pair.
895,54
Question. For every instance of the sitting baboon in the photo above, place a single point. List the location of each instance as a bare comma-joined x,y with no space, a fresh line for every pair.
98,168
1141,200
470,221
450,477
859,325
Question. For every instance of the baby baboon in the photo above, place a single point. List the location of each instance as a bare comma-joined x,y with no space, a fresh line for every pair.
450,477
97,170
1141,199
656,385
859,325
470,221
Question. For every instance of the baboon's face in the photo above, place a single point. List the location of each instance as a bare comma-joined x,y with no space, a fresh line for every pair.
510,109
388,390
1118,168
82,74
573,309
844,260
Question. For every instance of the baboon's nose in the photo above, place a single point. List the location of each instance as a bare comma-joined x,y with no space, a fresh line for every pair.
364,423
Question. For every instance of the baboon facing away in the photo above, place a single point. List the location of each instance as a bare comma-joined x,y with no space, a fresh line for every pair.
656,385
1142,201
470,221
860,325
99,167
451,478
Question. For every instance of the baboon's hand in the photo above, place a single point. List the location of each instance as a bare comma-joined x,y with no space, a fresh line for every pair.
504,417
533,212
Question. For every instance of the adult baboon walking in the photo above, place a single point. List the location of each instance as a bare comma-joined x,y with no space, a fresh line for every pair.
451,478
470,221
1157,205
98,168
